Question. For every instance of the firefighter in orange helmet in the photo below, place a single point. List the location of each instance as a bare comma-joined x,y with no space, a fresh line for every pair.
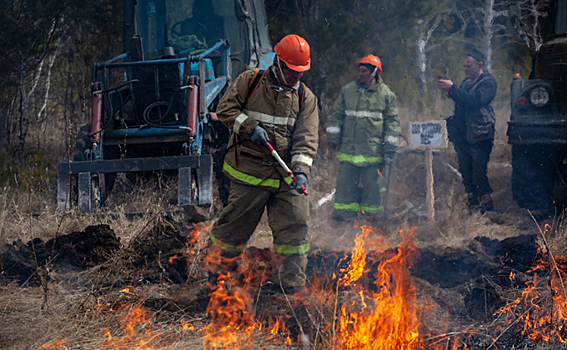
364,129
259,107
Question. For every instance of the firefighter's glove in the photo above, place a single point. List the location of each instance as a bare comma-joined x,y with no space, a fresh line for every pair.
259,136
389,158
301,181
333,145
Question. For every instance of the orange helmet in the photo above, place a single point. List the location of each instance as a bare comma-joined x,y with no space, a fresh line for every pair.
294,51
373,60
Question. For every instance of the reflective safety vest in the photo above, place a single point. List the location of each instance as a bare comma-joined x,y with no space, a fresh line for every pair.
364,123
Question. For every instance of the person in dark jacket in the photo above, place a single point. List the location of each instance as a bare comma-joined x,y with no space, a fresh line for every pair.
471,128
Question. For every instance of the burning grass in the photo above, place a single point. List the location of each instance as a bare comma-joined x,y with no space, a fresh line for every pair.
151,293
539,314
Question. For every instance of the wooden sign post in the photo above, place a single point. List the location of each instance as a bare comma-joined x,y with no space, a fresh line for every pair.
426,136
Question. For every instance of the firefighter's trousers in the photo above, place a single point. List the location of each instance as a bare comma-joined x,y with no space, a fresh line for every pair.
288,217
358,189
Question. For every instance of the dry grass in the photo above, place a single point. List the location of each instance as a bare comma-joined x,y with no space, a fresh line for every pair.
82,318
71,307
74,306
80,314
26,215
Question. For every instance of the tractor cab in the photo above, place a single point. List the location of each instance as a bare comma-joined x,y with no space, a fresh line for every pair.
177,28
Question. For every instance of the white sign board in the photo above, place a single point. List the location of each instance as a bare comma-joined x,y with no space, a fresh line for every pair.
429,134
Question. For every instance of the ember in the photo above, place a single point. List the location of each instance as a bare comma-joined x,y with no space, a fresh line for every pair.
137,333
540,312
56,344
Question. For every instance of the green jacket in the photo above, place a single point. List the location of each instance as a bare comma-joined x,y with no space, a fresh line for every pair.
364,124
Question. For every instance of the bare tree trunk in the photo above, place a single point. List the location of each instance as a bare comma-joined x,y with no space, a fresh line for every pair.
43,109
423,45
25,96
421,63
4,130
24,106
11,112
425,31
84,99
42,114
488,34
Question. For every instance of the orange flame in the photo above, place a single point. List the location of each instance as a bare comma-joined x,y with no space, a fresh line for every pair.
127,290
230,309
55,344
387,318
386,315
187,326
198,238
232,319
541,311
378,306
136,320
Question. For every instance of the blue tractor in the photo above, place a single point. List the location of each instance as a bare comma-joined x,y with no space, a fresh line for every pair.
153,107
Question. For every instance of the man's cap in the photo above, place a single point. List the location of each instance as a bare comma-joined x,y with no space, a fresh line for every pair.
477,55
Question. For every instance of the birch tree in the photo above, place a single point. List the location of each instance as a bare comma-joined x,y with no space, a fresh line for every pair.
25,65
490,18
527,17
28,31
424,43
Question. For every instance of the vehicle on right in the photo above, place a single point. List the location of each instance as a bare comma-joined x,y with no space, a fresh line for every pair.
537,129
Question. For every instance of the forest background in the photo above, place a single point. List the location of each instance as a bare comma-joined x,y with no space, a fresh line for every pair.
49,47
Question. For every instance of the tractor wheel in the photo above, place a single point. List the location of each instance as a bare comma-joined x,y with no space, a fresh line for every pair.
533,178
223,182
82,144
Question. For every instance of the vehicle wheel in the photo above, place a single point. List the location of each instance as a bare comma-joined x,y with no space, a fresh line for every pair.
223,182
533,178
109,178
82,144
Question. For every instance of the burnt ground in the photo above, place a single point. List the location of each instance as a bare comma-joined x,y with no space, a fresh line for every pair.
463,268
469,283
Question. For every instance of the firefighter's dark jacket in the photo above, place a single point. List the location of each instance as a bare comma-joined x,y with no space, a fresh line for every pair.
275,107
474,118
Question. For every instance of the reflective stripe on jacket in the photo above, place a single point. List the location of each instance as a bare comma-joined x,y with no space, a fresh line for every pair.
364,124
293,133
